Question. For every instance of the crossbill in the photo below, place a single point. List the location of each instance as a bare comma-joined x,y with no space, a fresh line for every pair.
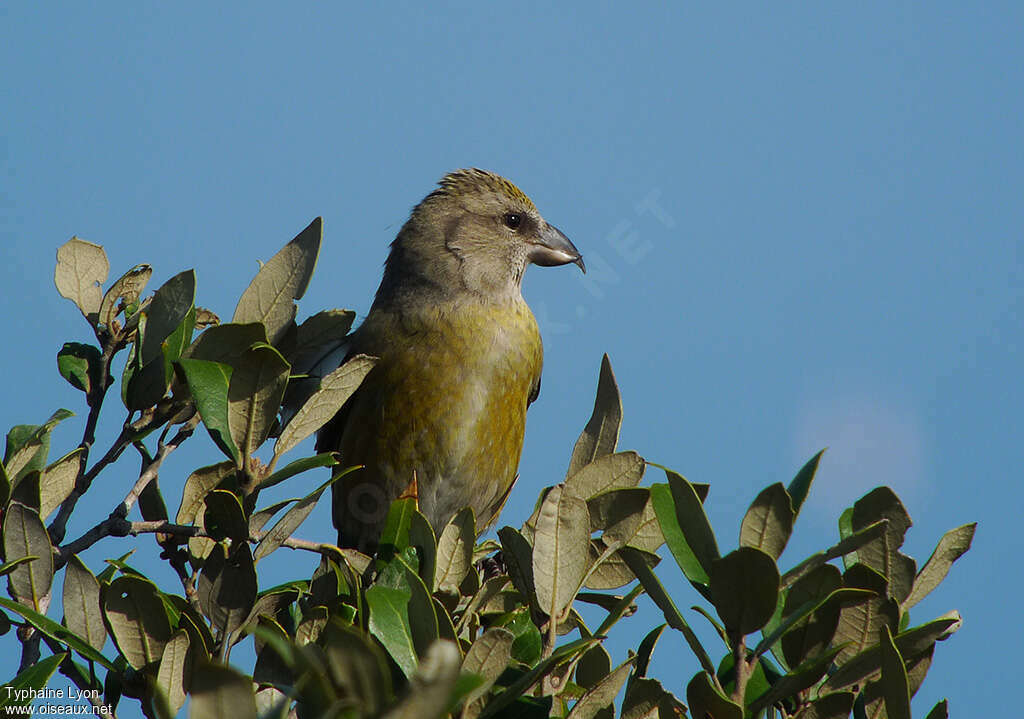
459,360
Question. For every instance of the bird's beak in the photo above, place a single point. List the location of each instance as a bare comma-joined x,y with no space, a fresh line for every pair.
554,248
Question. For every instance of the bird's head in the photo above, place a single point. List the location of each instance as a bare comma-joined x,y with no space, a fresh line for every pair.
476,232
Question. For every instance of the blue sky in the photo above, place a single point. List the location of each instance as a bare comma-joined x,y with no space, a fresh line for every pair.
803,223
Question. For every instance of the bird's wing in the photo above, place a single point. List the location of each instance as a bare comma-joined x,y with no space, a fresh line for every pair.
534,392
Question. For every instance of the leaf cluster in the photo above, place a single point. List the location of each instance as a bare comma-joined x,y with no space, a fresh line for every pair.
433,624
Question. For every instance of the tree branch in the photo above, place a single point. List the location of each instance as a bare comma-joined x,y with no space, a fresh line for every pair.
116,525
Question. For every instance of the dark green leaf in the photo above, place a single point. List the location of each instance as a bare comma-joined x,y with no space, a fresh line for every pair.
137,620
269,298
227,587
82,611
705,699
559,566
455,551
208,382
57,632
25,536
894,678
20,690
744,589
661,598
334,391
219,691
326,459
603,693
79,364
224,517
769,521
488,657
801,484
601,434
255,390
951,547
693,522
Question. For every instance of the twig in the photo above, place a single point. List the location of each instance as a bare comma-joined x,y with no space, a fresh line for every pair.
740,666
148,420
116,525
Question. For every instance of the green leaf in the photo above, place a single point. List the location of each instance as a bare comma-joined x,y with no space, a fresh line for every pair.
768,523
797,680
601,434
169,308
517,688
894,678
939,711
528,644
19,691
284,277
951,547
175,671
125,292
325,459
801,484
660,597
57,632
335,389
603,693
25,536
324,329
646,698
693,523
209,382
28,446
909,643
518,555
79,364
664,507
844,548
255,391
227,587
882,554
219,691
455,551
81,268
395,535
422,538
559,566
136,619
197,486
224,517
705,699
744,589
618,514
389,623
82,611
646,648
357,665
806,635
226,343
488,657
861,621
610,471
292,519
58,481
593,666
432,686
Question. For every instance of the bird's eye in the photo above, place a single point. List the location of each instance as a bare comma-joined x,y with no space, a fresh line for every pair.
513,220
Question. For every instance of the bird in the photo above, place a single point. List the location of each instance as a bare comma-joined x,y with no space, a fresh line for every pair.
442,412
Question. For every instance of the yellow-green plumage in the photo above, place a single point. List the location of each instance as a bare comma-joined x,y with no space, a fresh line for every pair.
459,360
